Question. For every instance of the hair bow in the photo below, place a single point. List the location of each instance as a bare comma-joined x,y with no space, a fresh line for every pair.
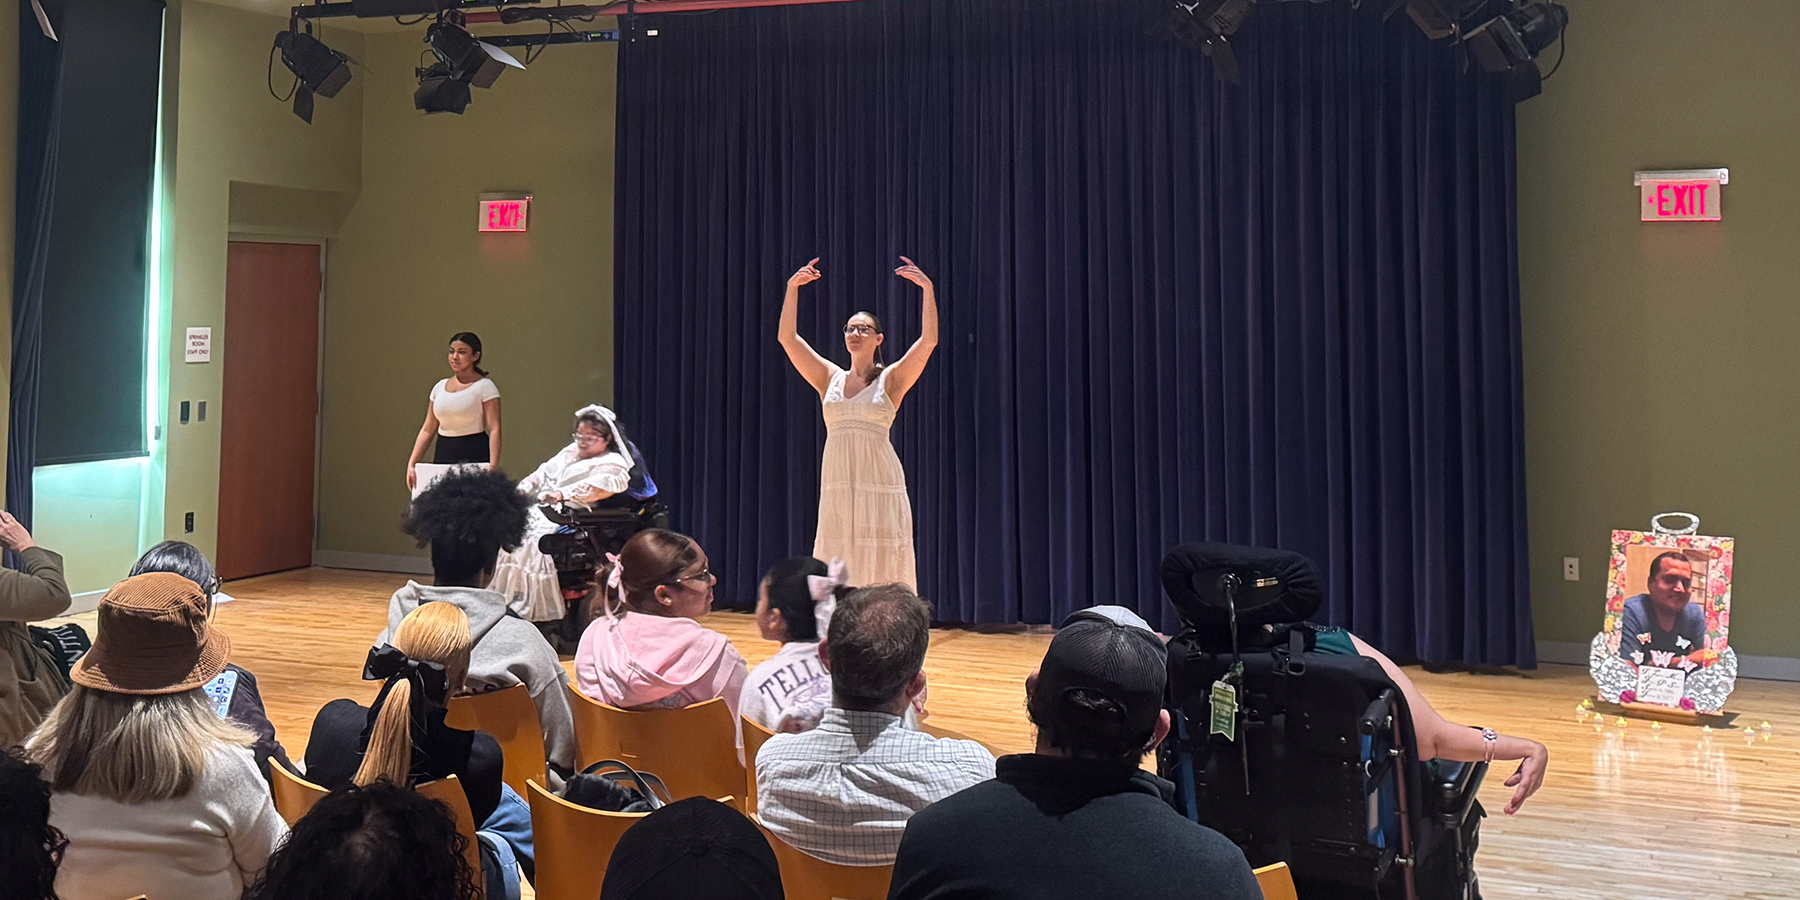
430,686
824,593
615,582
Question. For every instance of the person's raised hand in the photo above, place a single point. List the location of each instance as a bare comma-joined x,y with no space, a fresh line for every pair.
807,274
911,272
1528,778
13,535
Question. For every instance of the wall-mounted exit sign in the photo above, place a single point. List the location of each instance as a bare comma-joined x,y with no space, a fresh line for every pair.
504,212
1688,195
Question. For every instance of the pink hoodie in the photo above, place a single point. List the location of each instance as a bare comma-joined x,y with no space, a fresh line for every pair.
634,661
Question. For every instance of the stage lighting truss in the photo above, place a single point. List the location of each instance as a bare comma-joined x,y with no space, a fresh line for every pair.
317,69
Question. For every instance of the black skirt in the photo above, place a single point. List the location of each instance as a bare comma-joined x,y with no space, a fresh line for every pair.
469,448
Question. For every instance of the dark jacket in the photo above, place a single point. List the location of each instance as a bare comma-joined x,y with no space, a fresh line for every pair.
1048,828
333,755
30,681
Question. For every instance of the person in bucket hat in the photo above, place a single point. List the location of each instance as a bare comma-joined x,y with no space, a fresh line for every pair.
155,792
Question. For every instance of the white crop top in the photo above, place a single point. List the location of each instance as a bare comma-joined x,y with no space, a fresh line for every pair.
459,413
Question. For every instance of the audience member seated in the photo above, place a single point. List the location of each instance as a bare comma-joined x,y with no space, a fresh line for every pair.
1208,628
1078,818
645,651
844,791
594,468
156,793
234,693
30,680
692,849
29,848
467,518
402,737
379,842
789,691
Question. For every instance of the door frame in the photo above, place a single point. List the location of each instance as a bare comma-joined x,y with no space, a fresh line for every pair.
324,245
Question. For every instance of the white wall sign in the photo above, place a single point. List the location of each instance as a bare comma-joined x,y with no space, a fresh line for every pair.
199,345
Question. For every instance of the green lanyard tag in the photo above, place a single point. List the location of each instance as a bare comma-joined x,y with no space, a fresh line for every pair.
1224,710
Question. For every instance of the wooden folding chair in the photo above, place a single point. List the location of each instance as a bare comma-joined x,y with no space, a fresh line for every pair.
509,715
692,749
1277,882
755,736
294,796
805,877
448,791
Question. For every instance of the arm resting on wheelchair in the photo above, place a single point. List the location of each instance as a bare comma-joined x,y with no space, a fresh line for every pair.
1439,738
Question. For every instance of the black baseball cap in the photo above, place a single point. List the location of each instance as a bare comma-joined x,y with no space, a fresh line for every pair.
691,848
1106,652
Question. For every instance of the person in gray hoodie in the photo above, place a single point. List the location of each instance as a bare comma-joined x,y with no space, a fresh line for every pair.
466,519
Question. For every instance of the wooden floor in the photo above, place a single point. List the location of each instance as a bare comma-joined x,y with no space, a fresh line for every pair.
1625,812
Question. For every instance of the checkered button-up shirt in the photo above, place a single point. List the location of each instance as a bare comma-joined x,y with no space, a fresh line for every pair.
843,791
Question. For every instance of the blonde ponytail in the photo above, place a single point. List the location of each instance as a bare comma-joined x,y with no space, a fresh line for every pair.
434,633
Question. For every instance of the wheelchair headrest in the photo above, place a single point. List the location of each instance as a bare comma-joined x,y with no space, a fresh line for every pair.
1274,587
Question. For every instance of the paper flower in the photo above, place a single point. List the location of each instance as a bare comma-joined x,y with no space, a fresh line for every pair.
1627,696
1687,703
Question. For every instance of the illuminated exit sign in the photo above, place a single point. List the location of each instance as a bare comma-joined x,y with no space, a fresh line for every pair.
504,212
1690,195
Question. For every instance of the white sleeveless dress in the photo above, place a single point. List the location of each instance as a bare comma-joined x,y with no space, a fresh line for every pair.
865,517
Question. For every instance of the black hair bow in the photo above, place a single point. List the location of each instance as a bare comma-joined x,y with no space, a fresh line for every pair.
430,687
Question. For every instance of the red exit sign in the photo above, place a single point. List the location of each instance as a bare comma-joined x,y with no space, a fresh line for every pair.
1690,195
504,213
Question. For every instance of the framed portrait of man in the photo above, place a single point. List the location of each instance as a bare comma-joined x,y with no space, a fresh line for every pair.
1665,639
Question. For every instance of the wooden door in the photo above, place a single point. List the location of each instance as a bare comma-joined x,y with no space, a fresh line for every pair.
270,408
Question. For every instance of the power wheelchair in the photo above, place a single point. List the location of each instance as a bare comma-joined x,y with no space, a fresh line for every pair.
1322,773
579,548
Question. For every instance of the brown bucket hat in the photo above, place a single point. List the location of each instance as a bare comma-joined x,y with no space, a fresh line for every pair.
154,639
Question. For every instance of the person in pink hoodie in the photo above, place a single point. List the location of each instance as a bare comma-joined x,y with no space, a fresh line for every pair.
645,651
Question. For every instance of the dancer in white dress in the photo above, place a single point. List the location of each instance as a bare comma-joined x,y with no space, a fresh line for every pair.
865,517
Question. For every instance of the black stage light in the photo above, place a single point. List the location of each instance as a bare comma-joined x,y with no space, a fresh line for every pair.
1443,18
474,61
1510,43
439,92
321,70
1206,26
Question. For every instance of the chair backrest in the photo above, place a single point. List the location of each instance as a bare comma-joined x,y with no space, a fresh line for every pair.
755,736
1277,882
805,877
1323,794
509,715
573,844
448,791
294,796
938,731
692,749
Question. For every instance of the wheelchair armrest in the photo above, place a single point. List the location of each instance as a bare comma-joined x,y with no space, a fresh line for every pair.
1452,789
1379,716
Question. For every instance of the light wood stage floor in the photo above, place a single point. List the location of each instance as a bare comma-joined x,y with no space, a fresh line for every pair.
1625,812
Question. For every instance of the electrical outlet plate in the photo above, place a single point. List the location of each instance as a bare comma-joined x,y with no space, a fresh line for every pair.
1571,568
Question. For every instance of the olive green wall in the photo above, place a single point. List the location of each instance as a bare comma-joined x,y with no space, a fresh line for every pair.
408,270
222,130
1659,359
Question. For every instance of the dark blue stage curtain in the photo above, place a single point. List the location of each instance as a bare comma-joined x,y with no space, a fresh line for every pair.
1282,312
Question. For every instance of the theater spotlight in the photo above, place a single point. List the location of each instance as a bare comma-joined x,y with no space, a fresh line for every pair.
1442,18
1206,26
463,62
439,92
319,69
1509,44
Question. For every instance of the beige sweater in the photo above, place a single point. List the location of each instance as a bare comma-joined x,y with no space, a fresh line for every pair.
30,682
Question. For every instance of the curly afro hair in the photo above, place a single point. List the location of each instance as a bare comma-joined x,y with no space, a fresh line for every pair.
30,848
379,842
467,518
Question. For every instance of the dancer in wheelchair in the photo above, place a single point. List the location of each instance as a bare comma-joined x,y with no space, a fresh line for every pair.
594,470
